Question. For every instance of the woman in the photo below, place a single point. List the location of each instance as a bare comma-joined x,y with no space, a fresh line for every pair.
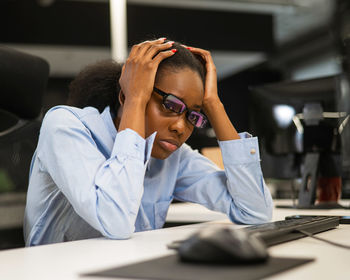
112,172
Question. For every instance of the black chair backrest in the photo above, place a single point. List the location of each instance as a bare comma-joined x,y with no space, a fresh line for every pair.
23,79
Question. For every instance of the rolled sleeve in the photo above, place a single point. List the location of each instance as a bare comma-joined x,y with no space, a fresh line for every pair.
239,190
251,198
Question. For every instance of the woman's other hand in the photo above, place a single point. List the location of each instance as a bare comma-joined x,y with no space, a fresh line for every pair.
211,89
212,105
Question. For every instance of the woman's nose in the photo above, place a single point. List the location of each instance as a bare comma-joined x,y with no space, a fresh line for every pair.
178,124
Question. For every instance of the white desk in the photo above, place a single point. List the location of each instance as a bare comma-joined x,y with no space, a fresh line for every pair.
69,260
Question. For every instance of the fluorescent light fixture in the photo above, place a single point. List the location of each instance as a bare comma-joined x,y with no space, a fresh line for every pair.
119,40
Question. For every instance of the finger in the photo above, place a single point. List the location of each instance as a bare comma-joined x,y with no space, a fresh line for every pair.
163,55
155,49
143,47
203,53
206,56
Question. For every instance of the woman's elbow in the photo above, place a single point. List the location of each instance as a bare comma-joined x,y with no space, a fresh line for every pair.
264,215
120,235
258,216
120,229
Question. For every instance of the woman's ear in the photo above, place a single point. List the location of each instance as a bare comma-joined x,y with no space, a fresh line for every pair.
121,97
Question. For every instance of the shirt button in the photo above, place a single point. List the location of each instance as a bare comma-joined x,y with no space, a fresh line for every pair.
252,151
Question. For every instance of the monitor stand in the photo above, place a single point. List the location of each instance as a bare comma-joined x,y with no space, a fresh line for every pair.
308,189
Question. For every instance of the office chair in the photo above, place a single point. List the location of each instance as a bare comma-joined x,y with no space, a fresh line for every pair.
23,79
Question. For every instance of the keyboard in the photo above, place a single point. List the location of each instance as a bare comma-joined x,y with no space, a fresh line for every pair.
287,230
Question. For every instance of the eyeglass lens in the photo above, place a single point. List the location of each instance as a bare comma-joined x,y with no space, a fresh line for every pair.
176,105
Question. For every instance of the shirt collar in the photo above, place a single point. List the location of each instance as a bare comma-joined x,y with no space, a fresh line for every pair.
107,119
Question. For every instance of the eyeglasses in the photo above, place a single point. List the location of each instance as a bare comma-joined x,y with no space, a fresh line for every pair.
175,104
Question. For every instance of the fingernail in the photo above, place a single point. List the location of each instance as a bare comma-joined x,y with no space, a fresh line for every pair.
174,50
163,38
189,48
171,42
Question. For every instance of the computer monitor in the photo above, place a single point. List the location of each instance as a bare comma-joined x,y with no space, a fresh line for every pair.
299,126
341,33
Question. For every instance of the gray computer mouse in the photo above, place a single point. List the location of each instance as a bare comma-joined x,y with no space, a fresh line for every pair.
222,245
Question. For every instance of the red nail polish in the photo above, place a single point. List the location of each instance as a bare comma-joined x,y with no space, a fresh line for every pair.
189,48
174,50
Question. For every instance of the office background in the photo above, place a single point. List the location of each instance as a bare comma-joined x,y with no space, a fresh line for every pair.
253,42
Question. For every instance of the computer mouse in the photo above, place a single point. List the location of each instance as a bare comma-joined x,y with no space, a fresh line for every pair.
223,245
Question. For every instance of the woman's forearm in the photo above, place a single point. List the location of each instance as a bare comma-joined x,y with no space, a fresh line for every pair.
133,117
219,120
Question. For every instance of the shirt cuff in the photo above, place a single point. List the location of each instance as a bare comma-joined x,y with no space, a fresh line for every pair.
244,135
240,151
130,144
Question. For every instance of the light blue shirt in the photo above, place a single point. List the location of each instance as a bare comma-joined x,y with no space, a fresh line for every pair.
88,180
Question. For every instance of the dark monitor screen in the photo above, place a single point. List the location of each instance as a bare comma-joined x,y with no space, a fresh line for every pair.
293,118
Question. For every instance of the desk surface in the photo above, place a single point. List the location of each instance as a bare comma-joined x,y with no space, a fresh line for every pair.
69,260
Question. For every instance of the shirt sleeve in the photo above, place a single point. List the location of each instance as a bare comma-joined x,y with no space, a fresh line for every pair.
105,192
239,190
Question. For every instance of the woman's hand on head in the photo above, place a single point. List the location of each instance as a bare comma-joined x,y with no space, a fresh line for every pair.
211,89
139,71
212,105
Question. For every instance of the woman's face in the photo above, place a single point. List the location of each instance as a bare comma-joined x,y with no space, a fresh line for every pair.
173,129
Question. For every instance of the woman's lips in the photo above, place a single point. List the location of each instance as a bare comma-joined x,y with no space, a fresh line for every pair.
167,145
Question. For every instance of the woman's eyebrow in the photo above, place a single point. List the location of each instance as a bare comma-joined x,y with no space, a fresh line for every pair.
197,106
